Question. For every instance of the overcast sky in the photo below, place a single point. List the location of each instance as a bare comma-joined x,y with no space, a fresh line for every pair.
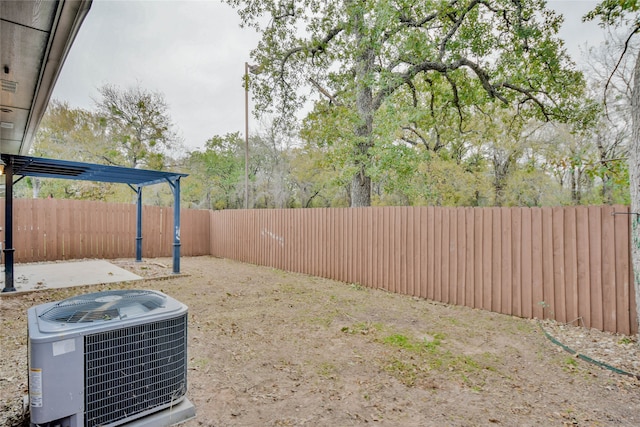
194,52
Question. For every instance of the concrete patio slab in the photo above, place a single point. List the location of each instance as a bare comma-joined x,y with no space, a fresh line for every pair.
30,277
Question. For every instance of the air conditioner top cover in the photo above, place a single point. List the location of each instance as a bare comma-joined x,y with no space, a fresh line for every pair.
105,308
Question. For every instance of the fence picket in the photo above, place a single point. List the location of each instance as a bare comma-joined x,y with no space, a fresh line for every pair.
570,264
487,265
526,264
608,270
595,266
537,281
622,259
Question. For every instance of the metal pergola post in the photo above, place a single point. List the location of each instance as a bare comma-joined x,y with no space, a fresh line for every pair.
175,186
139,225
8,226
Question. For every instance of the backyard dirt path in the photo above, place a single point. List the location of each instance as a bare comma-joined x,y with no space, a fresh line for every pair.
271,348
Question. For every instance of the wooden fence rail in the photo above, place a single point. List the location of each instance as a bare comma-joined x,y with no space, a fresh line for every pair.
571,264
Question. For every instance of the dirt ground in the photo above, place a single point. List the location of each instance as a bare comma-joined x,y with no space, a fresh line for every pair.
271,348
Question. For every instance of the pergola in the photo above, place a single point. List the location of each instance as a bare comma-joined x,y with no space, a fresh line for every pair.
35,38
136,179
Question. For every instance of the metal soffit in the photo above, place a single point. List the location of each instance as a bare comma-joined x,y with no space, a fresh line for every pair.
35,38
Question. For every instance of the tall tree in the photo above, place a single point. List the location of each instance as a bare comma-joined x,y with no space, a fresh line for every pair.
218,171
612,131
139,124
313,178
360,54
271,169
570,155
70,134
620,13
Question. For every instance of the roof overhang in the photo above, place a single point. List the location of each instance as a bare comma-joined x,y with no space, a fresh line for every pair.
35,38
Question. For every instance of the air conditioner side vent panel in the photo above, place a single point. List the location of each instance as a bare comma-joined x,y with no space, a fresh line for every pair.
134,370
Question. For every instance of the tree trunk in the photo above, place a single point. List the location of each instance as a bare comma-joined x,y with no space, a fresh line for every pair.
360,190
575,192
361,182
501,169
35,182
498,189
634,182
607,196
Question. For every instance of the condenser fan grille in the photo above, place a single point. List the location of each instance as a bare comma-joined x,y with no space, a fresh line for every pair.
90,316
133,370
101,306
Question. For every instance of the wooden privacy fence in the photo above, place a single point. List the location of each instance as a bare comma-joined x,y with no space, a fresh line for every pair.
52,229
571,264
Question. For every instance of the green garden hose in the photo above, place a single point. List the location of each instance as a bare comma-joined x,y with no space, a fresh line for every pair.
587,358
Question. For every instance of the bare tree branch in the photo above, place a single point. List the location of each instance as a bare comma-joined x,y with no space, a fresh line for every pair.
418,135
528,97
624,51
414,93
324,91
456,100
321,45
457,23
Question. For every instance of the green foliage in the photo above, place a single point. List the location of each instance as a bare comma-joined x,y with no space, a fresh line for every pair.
435,103
86,136
406,343
362,328
70,134
626,341
447,183
409,71
570,364
139,126
412,361
406,371
217,173
398,340
613,12
271,171
533,187
317,181
617,13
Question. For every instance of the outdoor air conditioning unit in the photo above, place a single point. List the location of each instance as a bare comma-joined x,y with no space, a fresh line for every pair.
107,359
